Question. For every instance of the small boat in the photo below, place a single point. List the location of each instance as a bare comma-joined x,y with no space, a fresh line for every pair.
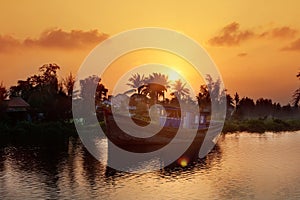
193,135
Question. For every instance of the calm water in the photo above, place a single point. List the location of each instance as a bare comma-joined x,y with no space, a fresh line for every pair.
243,166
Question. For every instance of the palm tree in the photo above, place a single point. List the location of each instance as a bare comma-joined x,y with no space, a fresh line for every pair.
136,81
296,95
3,92
230,105
3,95
230,101
179,90
158,78
203,98
236,99
68,83
156,85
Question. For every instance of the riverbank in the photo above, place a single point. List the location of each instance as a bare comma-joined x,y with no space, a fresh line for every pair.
57,130
261,125
39,132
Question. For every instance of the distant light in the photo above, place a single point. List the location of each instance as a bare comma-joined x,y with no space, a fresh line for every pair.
183,162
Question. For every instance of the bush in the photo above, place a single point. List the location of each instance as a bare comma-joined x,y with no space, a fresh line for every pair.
261,125
45,132
256,125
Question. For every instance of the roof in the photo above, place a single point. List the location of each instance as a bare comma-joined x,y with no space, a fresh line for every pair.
17,102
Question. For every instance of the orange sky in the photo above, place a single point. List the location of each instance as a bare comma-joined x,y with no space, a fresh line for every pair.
256,46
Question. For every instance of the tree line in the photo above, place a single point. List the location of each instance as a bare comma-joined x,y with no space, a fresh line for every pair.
52,97
156,85
45,93
48,95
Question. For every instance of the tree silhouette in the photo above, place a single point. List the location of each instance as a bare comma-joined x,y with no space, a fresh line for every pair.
48,80
3,95
179,90
296,98
236,99
3,92
246,107
136,81
210,92
296,95
155,86
43,93
229,105
92,93
101,92
158,78
230,101
22,89
263,107
86,86
45,84
68,83
203,98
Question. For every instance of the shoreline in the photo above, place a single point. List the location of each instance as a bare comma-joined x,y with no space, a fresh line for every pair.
261,125
43,131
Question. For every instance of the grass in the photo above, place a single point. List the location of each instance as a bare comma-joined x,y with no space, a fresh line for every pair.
261,125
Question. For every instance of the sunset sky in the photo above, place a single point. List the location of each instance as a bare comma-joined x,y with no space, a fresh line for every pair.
256,45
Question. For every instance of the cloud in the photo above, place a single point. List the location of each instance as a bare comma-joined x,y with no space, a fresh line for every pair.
242,54
8,42
57,38
231,35
294,46
54,38
281,32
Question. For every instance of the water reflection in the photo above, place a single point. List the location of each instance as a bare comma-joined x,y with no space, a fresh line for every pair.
240,166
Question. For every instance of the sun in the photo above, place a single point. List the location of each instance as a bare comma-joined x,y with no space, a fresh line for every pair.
173,74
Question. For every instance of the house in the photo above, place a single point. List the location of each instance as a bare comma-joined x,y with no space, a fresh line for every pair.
17,108
190,118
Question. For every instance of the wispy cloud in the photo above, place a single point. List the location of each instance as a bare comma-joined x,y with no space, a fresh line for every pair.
231,35
8,42
242,55
62,39
293,46
280,32
54,38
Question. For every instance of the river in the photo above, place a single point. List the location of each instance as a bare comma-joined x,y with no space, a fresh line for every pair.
242,166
